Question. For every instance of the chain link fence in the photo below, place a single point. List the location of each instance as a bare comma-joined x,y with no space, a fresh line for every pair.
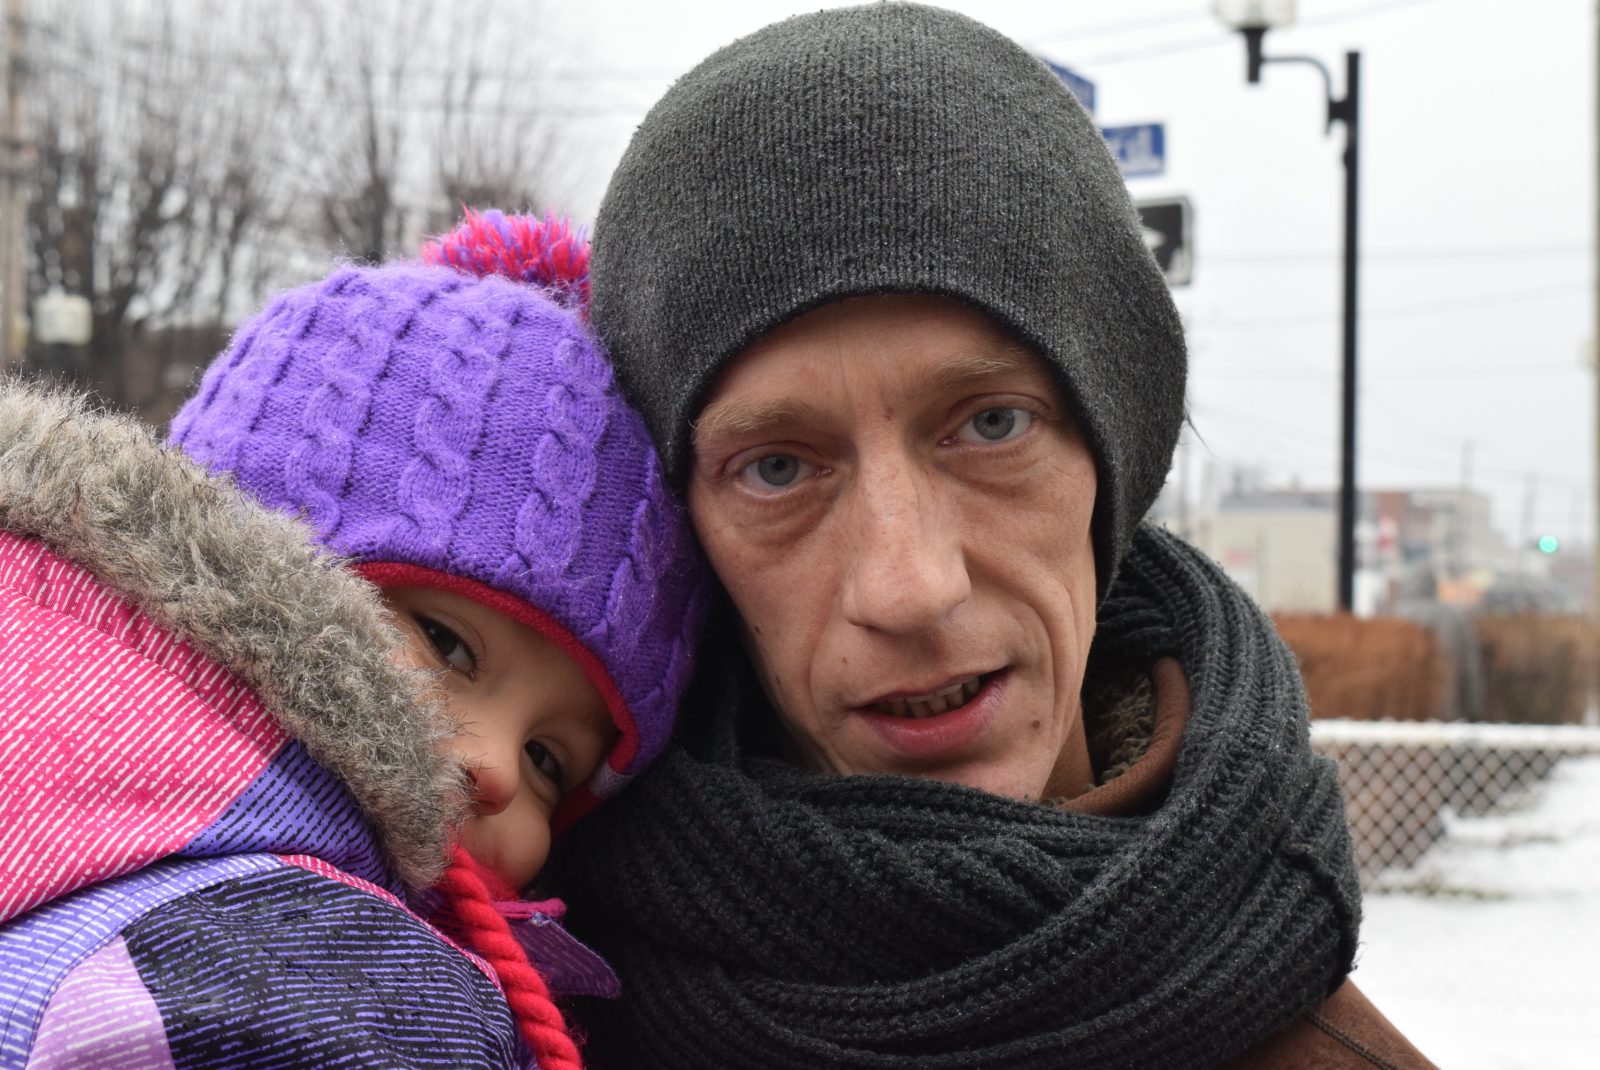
1479,849
1407,783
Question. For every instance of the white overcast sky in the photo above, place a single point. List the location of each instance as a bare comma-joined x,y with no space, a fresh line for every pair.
1477,230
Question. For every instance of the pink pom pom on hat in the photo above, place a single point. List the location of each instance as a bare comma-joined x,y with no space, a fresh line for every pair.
546,252
456,424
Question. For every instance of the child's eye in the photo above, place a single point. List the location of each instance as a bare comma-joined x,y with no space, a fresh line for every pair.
451,648
547,764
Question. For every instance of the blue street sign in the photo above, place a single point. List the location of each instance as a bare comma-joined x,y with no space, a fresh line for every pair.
1081,87
1140,150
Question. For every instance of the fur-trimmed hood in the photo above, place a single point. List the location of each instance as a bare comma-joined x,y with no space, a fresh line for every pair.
246,586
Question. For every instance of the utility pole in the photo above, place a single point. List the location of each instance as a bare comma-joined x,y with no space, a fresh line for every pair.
1349,110
1525,537
1463,510
14,205
1248,20
1594,346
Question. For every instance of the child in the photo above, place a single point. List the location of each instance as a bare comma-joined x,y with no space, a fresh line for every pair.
223,794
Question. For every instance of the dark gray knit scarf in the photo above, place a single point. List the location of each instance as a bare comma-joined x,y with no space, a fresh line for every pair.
765,917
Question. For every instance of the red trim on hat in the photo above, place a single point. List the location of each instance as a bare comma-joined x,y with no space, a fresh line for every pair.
579,800
574,805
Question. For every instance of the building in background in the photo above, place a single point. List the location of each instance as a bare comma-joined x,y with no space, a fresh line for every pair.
1413,544
1280,545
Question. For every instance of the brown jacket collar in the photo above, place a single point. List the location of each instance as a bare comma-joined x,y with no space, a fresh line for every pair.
1346,1032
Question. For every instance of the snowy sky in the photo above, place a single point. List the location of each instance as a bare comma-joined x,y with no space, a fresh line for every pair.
1477,228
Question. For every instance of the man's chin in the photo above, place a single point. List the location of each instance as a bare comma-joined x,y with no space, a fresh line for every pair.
1023,785
1020,777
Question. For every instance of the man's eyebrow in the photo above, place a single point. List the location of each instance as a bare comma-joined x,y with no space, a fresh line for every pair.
746,418
974,367
749,419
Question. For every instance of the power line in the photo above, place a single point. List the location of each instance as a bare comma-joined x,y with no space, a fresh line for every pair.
1253,423
1388,374
1418,308
1538,371
406,106
1133,25
255,62
1361,11
1250,258
1187,44
1225,36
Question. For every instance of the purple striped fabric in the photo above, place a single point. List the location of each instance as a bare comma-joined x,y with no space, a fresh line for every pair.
297,807
102,1016
39,948
287,970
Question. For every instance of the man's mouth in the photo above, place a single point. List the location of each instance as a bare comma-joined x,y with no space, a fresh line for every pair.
932,703
939,725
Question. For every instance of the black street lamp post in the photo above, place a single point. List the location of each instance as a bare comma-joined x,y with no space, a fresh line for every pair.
1253,18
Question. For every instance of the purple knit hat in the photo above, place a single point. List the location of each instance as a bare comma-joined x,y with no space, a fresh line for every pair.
446,426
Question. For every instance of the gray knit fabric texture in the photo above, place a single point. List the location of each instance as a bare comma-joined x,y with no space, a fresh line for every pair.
882,149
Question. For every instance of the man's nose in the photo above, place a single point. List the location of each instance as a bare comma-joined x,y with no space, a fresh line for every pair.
904,568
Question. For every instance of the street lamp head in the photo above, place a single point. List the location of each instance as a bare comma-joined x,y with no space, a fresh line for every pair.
1253,18
1254,14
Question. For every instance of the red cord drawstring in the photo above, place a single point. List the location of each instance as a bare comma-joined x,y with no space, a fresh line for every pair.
540,1023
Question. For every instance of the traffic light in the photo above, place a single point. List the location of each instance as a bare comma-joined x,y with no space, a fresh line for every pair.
1548,544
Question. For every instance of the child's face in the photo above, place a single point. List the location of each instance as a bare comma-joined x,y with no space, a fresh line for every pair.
533,726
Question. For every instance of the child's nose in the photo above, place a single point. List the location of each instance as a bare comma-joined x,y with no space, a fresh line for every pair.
494,780
494,787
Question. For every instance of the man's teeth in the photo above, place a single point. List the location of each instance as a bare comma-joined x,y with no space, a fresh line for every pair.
936,702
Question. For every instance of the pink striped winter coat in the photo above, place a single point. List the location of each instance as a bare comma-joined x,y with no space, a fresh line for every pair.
218,793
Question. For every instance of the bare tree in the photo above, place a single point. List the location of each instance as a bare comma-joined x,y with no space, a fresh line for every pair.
498,144
355,132
433,113
149,194
192,154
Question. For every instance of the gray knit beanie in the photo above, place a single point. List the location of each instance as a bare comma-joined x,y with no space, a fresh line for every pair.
888,148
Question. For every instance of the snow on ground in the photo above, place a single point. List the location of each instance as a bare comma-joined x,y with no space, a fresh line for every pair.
1489,958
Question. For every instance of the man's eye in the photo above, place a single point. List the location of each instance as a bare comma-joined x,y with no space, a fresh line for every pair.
995,425
774,471
547,764
451,648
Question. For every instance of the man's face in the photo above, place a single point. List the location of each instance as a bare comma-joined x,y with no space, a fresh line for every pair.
898,501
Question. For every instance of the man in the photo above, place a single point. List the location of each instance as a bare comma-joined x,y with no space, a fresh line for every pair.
980,773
